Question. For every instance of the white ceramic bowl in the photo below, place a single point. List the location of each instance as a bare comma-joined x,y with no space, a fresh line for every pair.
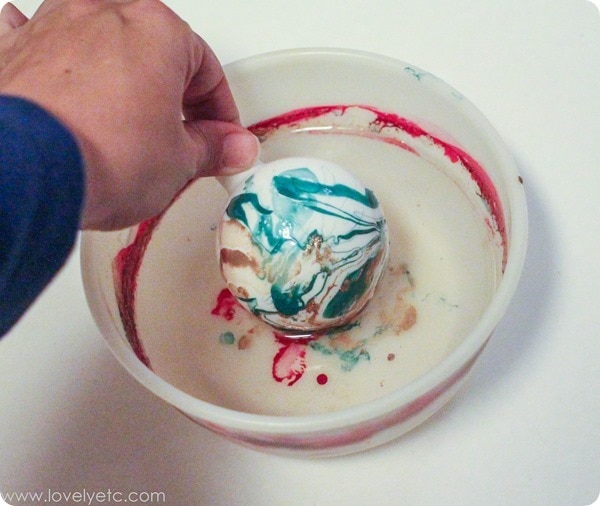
457,216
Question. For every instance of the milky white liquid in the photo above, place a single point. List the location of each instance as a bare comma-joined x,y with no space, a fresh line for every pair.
443,269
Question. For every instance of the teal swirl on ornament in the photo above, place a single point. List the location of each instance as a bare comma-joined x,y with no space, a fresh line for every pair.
297,214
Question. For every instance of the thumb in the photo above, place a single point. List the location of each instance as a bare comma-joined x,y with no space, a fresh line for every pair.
11,18
221,148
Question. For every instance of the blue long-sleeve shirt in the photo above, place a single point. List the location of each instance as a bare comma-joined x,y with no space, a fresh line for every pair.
41,197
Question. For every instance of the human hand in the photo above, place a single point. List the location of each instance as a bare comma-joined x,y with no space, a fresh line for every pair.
121,75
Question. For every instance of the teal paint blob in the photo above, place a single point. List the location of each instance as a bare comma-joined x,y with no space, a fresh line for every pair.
227,338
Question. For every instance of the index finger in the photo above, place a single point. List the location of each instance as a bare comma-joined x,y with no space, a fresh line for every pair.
207,96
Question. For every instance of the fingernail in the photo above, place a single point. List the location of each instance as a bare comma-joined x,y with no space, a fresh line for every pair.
240,152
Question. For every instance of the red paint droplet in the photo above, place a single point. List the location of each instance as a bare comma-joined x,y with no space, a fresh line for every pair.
322,379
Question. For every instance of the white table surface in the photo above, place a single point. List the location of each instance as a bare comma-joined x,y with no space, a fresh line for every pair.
524,431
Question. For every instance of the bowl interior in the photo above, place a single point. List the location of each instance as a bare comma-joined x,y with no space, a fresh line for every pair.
450,194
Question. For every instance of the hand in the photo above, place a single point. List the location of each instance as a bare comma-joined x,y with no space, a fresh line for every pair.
121,75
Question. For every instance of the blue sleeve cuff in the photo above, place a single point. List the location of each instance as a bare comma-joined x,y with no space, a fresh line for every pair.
41,198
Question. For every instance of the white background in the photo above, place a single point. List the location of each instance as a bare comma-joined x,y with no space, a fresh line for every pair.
524,431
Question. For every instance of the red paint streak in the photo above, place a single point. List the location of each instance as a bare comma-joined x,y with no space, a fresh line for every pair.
322,379
126,267
453,153
226,305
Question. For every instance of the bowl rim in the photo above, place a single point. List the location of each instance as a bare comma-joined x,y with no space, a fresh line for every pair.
474,341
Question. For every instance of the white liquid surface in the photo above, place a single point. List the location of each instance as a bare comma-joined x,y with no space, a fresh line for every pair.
443,269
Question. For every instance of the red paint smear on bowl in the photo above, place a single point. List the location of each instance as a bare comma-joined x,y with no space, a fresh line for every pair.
126,266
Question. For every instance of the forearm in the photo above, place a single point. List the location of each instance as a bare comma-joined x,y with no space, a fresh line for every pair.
41,197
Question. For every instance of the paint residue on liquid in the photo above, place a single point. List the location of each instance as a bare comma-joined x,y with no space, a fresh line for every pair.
226,305
290,360
289,363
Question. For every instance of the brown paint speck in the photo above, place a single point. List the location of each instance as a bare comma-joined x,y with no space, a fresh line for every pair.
408,320
245,342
